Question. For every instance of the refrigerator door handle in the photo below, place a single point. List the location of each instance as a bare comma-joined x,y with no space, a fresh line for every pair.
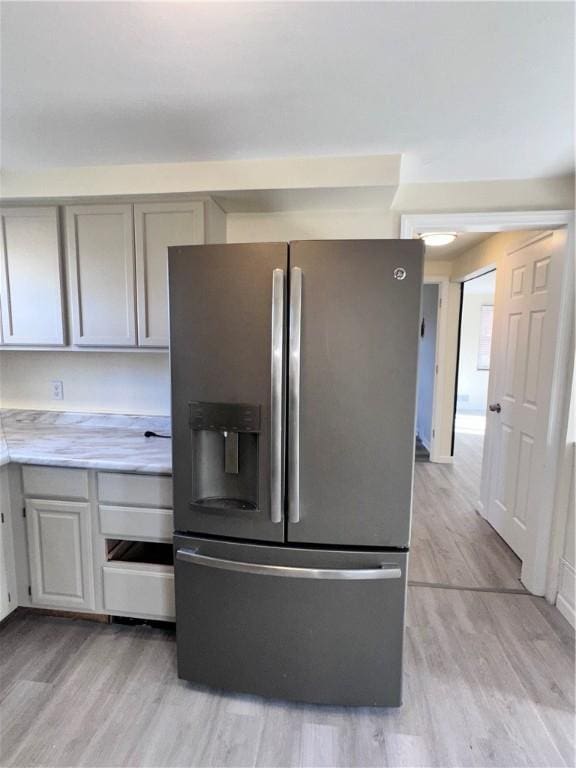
384,571
277,355
294,395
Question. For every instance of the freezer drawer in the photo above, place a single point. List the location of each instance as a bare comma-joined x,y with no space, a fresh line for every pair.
307,625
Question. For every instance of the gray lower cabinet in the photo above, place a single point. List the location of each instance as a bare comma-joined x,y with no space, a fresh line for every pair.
100,541
135,518
60,552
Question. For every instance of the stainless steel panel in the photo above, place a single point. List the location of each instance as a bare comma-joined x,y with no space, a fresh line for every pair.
327,641
294,395
357,368
383,571
231,453
276,394
220,350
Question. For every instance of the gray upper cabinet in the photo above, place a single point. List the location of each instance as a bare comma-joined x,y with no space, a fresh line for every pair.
157,226
116,294
31,289
100,245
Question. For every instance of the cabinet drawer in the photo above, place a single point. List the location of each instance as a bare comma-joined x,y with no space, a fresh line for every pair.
149,490
51,481
144,590
139,523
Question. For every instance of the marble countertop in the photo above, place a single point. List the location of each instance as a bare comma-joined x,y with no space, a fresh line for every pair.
89,441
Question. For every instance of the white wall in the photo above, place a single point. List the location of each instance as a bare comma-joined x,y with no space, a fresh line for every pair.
511,195
427,364
566,598
203,176
131,382
569,547
488,253
565,507
472,383
310,225
104,382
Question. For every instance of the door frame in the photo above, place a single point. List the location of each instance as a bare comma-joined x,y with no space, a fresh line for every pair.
440,372
540,567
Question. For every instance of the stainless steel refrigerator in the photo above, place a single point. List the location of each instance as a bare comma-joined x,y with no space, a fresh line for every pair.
293,398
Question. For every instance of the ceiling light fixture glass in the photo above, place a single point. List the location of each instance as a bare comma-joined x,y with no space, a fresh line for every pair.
438,238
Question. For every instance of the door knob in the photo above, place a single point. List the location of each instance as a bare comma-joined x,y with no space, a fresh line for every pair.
495,407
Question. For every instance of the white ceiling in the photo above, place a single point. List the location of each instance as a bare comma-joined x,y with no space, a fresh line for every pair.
467,91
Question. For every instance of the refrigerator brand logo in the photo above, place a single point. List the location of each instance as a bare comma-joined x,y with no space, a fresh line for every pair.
399,273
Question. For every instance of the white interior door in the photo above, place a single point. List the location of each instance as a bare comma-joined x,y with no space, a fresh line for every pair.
524,343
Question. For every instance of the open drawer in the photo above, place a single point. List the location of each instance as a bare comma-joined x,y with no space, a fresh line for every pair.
138,580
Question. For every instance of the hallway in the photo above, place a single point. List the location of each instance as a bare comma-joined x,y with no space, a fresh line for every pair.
451,543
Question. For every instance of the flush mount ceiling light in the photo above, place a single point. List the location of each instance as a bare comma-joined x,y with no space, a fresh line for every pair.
438,238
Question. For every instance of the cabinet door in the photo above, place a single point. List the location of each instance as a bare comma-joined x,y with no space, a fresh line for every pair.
60,552
101,271
31,277
159,225
8,590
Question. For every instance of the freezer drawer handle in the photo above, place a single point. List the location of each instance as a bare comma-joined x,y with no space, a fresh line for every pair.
276,395
294,395
260,569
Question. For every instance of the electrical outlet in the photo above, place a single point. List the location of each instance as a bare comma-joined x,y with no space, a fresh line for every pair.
57,390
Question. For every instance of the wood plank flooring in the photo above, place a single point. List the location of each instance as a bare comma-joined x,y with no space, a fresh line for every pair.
451,543
488,682
489,677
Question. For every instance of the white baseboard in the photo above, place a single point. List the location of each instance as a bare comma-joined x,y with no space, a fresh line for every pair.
565,600
441,459
479,507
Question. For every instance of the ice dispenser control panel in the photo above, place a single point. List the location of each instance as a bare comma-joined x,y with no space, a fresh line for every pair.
231,417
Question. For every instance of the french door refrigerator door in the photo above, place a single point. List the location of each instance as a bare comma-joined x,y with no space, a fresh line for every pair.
302,624
227,321
353,356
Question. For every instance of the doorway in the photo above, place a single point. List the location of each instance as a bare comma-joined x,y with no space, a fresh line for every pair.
426,370
543,550
475,343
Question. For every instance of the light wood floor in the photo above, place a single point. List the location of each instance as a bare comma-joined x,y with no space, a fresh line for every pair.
489,678
451,543
488,682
